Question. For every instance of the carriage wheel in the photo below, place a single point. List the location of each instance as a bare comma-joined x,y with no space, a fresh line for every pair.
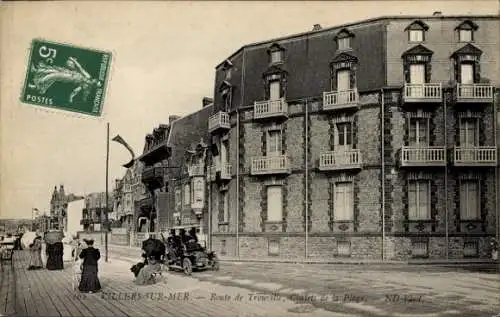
186,265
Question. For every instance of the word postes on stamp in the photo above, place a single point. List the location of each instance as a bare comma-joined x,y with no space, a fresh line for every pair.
66,77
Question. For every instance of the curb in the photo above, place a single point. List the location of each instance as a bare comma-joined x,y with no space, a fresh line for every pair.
352,262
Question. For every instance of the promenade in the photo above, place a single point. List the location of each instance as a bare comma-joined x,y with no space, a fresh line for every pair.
49,293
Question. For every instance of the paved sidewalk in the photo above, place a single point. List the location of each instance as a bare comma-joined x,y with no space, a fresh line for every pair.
49,293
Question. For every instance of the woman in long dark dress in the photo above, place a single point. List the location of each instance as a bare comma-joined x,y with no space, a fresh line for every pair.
55,253
89,282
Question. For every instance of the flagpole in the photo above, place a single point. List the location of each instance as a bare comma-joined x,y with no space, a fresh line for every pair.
106,213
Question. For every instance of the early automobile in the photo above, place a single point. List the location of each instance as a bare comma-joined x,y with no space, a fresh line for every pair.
191,257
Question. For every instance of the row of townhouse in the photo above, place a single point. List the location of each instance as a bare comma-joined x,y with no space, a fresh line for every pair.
372,139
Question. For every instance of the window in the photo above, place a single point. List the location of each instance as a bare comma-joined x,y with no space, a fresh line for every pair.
343,202
199,191
223,247
416,36
225,202
419,132
417,74
469,200
274,143
419,200
274,247
226,101
274,90
276,57
187,194
466,73
223,152
343,248
465,36
469,132
471,249
344,43
343,136
343,80
274,203
420,249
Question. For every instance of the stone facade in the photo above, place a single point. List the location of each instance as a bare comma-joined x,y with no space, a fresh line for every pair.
378,123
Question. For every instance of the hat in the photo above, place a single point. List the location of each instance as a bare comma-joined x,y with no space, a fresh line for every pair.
88,241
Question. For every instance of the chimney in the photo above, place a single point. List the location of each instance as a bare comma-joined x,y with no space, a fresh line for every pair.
172,119
317,27
437,13
207,101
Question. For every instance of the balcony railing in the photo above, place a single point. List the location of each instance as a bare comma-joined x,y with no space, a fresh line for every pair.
225,172
197,170
423,156
474,93
475,156
270,108
340,160
422,93
218,121
270,165
151,173
334,100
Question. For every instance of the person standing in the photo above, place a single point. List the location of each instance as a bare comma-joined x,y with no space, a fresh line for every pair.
89,282
36,254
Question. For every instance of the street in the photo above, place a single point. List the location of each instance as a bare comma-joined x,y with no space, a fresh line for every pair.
363,290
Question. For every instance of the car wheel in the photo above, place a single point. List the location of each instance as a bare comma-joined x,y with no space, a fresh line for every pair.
215,264
187,266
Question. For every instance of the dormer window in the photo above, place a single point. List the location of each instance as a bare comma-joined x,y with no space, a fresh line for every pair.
275,54
343,39
416,32
466,31
227,68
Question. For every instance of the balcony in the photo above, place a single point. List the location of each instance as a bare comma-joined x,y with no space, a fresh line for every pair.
422,93
153,176
219,121
336,100
412,156
146,203
265,165
270,109
340,160
197,170
475,156
225,172
211,173
475,93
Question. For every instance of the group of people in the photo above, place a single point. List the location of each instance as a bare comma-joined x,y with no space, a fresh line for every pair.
54,252
85,251
155,250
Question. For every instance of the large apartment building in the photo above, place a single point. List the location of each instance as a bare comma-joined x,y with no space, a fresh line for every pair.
372,139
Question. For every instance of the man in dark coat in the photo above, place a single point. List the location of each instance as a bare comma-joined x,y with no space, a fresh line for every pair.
153,247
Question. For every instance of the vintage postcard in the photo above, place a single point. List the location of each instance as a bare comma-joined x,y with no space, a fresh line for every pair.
249,159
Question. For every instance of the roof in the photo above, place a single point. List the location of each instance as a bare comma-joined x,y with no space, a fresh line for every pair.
185,132
361,22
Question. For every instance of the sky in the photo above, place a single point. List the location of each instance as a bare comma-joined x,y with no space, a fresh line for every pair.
164,58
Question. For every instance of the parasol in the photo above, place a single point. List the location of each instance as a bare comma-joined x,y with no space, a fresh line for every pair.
53,237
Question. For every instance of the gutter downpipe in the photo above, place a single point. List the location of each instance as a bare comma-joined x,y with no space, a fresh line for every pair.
382,154
446,179
238,185
209,181
307,179
495,124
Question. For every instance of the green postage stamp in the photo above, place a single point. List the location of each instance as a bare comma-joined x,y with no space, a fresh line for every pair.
66,77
